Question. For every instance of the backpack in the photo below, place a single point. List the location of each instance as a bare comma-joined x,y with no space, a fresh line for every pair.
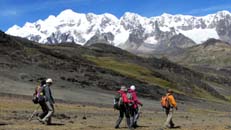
129,96
38,95
117,101
165,102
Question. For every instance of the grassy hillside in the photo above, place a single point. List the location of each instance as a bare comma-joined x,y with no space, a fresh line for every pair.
214,53
131,70
98,67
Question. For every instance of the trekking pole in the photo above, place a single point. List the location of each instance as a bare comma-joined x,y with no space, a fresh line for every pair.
140,110
84,113
56,106
33,114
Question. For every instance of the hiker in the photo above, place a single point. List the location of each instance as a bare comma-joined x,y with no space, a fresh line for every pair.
169,109
135,108
40,94
49,101
124,107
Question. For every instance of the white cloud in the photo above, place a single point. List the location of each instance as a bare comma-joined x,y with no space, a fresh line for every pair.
9,13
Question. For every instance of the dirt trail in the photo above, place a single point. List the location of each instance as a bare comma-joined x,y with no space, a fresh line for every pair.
15,112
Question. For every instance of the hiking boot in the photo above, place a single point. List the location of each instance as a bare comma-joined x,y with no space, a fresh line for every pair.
118,122
48,123
135,125
131,128
172,125
165,126
40,119
44,121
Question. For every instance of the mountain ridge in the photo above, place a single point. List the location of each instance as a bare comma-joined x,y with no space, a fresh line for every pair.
130,31
212,53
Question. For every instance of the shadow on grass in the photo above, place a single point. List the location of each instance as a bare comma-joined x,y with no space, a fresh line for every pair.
175,127
56,124
2,124
164,128
140,126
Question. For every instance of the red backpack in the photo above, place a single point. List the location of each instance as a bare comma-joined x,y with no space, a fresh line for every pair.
164,102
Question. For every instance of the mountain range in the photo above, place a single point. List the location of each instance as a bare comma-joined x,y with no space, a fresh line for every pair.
131,31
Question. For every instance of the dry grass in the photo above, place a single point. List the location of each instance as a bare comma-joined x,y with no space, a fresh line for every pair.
15,112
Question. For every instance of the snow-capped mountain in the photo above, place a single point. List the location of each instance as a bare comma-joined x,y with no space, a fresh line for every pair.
131,31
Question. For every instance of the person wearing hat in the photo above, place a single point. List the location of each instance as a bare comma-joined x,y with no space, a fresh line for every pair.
124,107
49,102
169,110
135,108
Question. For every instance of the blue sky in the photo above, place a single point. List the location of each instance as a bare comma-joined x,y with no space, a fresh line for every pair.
20,11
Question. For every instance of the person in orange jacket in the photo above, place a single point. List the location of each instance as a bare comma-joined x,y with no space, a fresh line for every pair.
169,110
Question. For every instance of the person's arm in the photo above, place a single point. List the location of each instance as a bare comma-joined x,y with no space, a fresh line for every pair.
124,98
52,99
140,103
46,93
172,101
136,100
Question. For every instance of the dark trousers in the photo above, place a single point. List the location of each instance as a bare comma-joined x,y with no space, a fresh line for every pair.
44,110
131,111
136,116
124,110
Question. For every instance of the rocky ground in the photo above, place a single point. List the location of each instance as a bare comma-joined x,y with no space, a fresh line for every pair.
15,112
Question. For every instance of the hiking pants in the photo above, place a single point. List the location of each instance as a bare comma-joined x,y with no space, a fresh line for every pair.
50,109
136,116
132,116
44,109
169,113
123,111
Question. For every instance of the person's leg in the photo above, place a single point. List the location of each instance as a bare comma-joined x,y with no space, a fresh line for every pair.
166,122
44,110
50,112
132,116
128,116
171,121
121,115
136,116
169,117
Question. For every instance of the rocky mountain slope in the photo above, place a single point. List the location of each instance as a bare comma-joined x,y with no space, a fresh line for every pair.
132,31
213,53
99,67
